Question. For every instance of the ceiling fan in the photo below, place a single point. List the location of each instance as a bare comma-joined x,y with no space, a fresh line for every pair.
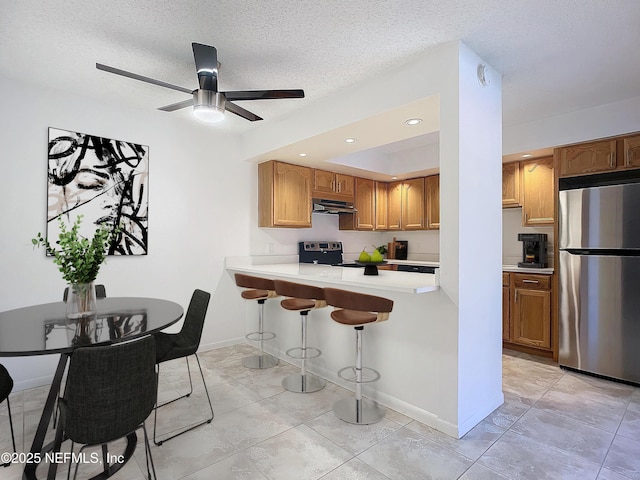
208,103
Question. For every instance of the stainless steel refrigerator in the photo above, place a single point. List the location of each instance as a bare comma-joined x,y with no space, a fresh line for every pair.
599,280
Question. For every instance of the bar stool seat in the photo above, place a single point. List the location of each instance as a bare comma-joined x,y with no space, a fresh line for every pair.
259,289
357,310
303,298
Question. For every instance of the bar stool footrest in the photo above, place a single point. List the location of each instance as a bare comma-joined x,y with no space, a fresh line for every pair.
305,353
369,375
368,412
257,336
261,361
306,383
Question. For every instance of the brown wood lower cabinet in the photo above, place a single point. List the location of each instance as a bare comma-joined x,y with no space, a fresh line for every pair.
506,310
527,313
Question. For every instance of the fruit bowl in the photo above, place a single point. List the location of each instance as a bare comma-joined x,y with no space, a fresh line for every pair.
371,268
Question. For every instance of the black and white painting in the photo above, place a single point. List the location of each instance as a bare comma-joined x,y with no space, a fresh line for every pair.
105,181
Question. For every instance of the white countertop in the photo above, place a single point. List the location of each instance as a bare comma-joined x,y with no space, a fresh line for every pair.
406,282
517,269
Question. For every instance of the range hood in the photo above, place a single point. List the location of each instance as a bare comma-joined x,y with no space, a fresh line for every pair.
332,206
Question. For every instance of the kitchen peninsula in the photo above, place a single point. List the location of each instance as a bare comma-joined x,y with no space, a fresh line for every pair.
414,350
339,277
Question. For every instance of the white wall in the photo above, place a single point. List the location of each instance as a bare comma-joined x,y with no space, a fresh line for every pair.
592,123
197,187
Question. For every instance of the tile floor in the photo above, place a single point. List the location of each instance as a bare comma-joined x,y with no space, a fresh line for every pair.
553,425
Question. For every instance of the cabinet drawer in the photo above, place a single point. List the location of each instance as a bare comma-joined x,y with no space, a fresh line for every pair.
535,282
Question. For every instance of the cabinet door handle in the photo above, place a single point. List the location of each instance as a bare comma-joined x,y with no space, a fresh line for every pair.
515,297
530,281
628,159
333,185
612,159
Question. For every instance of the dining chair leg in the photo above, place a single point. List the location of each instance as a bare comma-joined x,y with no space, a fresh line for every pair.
147,454
13,438
155,415
105,460
181,396
69,469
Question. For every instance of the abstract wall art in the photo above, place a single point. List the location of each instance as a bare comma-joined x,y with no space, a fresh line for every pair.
105,181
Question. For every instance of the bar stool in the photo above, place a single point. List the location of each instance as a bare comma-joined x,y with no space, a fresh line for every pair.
303,298
358,310
259,289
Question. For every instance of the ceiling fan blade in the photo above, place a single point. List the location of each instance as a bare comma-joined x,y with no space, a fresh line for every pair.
206,58
241,112
263,94
177,106
135,76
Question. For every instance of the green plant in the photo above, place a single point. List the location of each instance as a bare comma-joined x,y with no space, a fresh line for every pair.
382,249
78,258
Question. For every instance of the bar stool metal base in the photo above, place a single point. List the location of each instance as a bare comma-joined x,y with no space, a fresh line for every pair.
260,336
306,383
261,361
364,413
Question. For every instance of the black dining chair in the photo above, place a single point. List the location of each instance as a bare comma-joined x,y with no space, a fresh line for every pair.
6,385
109,393
170,346
101,292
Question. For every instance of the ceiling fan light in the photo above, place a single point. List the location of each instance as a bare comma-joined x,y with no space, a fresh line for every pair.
208,114
208,106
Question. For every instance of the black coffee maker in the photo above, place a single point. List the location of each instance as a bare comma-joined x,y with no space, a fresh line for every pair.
534,250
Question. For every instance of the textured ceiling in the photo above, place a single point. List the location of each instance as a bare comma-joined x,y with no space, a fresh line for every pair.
555,56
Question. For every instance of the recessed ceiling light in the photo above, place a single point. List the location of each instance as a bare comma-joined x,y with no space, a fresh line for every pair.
349,140
394,178
526,155
302,154
413,121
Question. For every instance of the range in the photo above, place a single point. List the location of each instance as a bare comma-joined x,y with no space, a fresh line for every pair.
323,253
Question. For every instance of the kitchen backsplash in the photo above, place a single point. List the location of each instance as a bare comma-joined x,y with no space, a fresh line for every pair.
423,245
511,227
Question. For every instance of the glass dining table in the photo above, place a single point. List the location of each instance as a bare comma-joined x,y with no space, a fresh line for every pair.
44,329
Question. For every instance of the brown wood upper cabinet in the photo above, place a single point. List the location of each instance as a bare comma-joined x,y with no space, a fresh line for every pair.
405,208
587,158
413,204
371,206
538,205
333,186
365,203
432,188
394,206
382,201
284,195
631,151
511,185
619,153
